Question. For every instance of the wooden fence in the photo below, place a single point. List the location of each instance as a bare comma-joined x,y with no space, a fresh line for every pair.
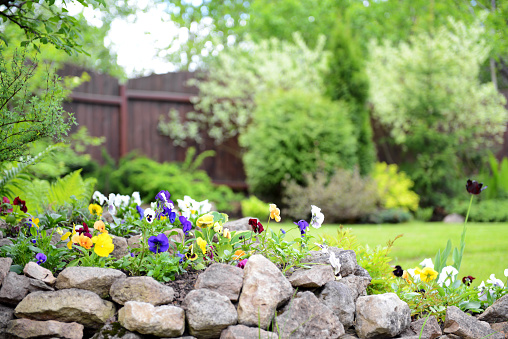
127,116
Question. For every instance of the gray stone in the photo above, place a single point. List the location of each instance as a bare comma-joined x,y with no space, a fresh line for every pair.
32,270
320,257
467,326
316,276
501,328
173,238
6,314
5,266
245,332
339,298
431,328
113,330
134,241
26,328
162,321
14,288
454,218
357,285
306,317
95,279
347,259
264,290
38,285
5,241
381,316
69,305
208,313
121,247
224,279
144,289
497,312
108,217
239,225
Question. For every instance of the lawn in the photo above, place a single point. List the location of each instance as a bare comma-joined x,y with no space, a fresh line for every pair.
485,252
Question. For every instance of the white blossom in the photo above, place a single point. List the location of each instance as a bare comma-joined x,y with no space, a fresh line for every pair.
427,263
317,217
447,276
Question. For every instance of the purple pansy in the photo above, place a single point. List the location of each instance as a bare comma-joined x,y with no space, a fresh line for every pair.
141,212
41,258
242,263
159,243
302,224
186,224
182,256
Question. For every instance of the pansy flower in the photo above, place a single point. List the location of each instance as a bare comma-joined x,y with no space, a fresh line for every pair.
242,263
335,262
95,209
149,215
21,203
302,225
398,271
474,187
317,217
256,225
103,244
205,221
159,243
186,224
274,212
428,274
238,254
100,226
84,230
217,227
41,258
84,241
141,212
181,256
191,255
226,233
202,244
468,280
71,235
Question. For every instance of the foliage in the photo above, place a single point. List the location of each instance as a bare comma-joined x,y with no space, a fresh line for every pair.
427,94
389,216
497,179
375,260
344,196
147,177
315,132
424,213
347,80
394,188
25,118
494,210
239,79
253,207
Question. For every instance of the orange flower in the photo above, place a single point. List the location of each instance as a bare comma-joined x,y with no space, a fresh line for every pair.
100,226
238,254
274,212
84,241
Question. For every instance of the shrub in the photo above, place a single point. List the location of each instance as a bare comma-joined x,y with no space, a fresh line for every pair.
253,207
293,133
495,210
389,216
394,188
345,196
424,214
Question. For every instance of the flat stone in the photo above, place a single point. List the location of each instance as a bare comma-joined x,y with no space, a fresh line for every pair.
26,328
69,305
431,329
316,276
497,312
14,288
162,321
239,225
264,290
244,332
95,279
208,313
144,289
306,317
466,326
224,279
32,270
113,330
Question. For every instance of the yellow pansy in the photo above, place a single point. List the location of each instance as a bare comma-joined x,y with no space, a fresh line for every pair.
35,221
217,227
274,212
103,245
67,235
205,221
95,209
202,244
428,274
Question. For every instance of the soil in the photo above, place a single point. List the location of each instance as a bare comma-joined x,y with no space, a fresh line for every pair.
183,284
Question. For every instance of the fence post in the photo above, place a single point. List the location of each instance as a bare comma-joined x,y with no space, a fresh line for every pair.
123,120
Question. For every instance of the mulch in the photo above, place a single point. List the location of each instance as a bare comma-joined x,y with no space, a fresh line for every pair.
183,284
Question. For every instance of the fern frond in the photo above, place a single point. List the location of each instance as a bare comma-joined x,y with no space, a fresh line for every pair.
62,189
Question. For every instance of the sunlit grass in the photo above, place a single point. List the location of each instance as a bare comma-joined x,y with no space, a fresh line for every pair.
485,252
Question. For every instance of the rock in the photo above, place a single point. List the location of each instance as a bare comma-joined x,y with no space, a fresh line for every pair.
245,332
134,241
38,285
173,238
14,288
115,331
4,225
497,312
6,314
381,316
208,313
224,279
317,276
264,290
339,298
467,326
95,279
454,218
162,321
26,328
501,328
121,247
431,329
5,266
144,289
108,217
347,259
239,225
320,257
306,317
5,241
69,305
32,270
357,285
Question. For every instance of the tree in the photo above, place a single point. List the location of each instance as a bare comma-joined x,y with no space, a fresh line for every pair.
427,93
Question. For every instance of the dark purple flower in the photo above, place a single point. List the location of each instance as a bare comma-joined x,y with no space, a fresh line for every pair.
182,256
186,224
398,271
302,224
256,225
242,263
141,212
159,243
85,230
468,280
21,203
474,187
41,258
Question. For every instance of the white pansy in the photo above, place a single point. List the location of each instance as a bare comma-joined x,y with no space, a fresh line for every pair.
323,247
506,272
447,276
335,262
112,209
99,197
153,205
136,198
482,295
494,281
149,215
427,263
204,207
317,217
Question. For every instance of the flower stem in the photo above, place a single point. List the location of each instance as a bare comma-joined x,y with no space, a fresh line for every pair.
468,209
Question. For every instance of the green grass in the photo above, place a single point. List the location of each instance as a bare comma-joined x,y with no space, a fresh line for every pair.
485,252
